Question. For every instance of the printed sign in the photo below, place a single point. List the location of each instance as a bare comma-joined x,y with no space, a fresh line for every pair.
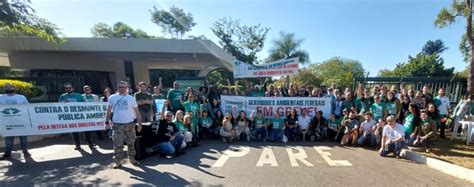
277,68
51,118
269,105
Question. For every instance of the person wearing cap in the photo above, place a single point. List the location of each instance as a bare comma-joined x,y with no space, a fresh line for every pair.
393,138
426,134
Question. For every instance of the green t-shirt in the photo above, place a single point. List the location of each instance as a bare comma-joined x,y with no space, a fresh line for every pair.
180,126
391,108
173,96
206,121
348,104
258,121
143,96
277,123
409,123
193,107
72,97
377,110
333,124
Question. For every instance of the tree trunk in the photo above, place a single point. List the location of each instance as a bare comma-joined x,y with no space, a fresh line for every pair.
470,77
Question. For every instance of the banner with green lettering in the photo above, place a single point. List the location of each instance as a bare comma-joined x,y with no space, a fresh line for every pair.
269,105
51,118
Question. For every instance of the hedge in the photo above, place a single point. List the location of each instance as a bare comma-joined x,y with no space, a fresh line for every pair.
24,88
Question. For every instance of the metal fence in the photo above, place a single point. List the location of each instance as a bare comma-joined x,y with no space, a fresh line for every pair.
456,88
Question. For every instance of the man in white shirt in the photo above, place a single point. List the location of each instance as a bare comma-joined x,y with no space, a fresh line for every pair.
444,109
393,138
303,121
11,98
366,130
125,109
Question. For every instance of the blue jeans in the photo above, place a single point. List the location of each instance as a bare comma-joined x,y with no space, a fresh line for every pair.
291,133
408,140
258,131
276,135
363,139
170,147
9,144
395,148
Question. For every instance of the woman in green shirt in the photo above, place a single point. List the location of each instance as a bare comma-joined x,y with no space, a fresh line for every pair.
411,122
277,123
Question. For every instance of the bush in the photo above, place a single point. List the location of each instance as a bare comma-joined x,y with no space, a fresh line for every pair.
23,88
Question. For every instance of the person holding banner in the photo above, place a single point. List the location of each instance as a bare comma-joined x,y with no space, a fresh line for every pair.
90,97
11,98
175,96
125,110
71,96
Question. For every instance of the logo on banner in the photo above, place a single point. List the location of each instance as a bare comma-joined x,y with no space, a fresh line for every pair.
10,111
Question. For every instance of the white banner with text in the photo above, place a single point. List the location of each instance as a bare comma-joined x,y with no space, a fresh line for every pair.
269,105
277,68
51,118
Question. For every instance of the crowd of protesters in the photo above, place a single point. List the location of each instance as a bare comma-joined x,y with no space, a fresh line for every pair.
377,117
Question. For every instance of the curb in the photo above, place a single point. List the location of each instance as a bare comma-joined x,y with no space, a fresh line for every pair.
443,166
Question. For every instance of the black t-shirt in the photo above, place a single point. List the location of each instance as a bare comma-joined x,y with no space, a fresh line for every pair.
291,121
166,130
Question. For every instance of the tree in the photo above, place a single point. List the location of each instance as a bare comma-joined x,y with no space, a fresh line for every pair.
118,30
423,66
241,41
432,47
175,22
287,46
460,9
17,18
342,71
427,63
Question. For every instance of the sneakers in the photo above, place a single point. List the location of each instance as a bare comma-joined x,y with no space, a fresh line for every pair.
117,165
428,150
92,146
77,148
134,162
26,154
5,157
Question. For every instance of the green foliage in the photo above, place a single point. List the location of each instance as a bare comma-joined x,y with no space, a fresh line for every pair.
241,41
427,63
338,70
174,22
8,72
23,88
17,18
287,46
219,78
432,47
308,77
424,66
118,30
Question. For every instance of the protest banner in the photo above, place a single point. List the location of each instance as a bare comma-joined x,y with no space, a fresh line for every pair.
269,105
51,118
277,68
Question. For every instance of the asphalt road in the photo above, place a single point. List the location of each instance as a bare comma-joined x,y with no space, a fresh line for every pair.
56,163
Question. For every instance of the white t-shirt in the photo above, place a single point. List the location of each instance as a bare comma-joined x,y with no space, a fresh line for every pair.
367,125
394,133
14,99
304,121
122,106
445,105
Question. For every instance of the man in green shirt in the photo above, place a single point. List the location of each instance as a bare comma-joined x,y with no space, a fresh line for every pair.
144,101
175,96
71,96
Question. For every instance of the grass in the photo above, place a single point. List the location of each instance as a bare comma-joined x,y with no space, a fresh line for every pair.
455,152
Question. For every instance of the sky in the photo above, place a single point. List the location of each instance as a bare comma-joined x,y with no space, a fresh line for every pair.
377,33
